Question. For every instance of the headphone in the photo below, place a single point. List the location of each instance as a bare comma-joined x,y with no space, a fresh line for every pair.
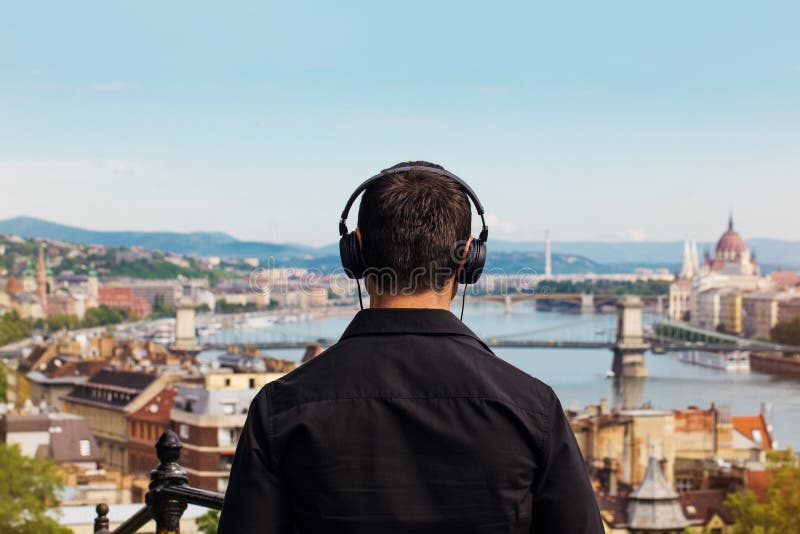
474,258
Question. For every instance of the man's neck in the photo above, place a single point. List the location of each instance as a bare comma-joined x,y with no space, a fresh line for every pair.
425,299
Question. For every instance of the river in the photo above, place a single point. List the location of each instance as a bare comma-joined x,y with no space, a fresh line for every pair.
579,375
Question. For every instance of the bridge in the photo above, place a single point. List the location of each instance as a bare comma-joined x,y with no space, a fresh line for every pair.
628,334
583,302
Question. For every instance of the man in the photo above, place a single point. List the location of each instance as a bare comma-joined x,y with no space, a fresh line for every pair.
409,423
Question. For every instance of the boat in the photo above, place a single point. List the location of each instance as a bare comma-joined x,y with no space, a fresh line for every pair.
735,361
261,321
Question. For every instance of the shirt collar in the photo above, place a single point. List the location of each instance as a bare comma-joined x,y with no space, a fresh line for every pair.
423,321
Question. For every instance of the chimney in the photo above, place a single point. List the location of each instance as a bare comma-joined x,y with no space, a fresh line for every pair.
604,407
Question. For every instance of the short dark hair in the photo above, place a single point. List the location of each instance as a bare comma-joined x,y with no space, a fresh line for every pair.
413,226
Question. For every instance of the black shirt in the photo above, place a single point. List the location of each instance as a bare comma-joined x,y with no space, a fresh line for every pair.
408,424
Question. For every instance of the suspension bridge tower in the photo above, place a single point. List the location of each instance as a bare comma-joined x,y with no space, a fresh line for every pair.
630,346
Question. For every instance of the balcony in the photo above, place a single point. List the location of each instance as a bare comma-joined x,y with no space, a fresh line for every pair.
167,498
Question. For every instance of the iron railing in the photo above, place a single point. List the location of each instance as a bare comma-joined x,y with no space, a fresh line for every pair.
168,496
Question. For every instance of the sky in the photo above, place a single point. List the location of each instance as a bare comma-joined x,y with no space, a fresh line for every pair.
598,120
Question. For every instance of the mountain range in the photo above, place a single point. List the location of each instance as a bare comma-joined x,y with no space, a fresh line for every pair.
582,255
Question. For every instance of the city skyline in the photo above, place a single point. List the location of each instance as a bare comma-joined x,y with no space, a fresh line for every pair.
113,119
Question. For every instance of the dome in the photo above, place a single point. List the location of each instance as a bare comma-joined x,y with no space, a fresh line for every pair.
731,241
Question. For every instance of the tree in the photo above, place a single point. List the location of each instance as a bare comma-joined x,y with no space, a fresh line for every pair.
27,487
208,523
780,512
787,332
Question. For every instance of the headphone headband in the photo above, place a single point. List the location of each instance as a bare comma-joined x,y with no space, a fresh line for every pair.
484,236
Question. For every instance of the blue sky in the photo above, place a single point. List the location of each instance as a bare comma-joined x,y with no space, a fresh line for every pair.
615,120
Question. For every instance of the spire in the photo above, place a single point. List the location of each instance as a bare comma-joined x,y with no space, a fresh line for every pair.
730,221
655,505
686,261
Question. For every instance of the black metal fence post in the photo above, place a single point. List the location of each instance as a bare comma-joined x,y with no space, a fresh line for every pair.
101,521
167,511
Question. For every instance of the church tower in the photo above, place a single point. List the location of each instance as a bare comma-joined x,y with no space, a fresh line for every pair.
92,288
689,261
28,281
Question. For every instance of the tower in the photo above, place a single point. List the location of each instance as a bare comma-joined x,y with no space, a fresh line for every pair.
630,346
41,281
689,260
185,335
92,288
28,281
548,266
655,506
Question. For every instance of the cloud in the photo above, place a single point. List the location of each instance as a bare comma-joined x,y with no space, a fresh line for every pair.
632,234
110,86
504,226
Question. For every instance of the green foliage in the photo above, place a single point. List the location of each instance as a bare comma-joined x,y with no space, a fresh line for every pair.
223,306
202,308
787,332
27,487
103,315
208,523
780,513
62,320
606,287
160,309
13,327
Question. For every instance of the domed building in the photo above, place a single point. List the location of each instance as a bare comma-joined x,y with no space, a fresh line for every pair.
731,256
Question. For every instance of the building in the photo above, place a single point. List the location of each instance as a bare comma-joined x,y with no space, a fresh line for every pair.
710,296
730,311
106,400
59,376
760,311
731,256
63,303
145,426
209,417
789,306
125,299
61,437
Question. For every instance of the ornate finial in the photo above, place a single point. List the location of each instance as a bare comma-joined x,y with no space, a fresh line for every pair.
168,447
101,521
167,510
730,220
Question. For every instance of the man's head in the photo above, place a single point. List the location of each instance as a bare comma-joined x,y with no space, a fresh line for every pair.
413,227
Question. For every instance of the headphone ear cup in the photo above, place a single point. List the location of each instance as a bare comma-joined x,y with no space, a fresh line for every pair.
473,264
350,253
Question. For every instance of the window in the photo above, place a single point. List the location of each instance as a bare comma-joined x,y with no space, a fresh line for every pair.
183,431
227,382
252,383
85,448
226,437
225,462
228,408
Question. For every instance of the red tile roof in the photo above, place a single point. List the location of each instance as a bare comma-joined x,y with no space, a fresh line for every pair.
747,424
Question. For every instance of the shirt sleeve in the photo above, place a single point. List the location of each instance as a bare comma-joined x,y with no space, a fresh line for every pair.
563,499
256,500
